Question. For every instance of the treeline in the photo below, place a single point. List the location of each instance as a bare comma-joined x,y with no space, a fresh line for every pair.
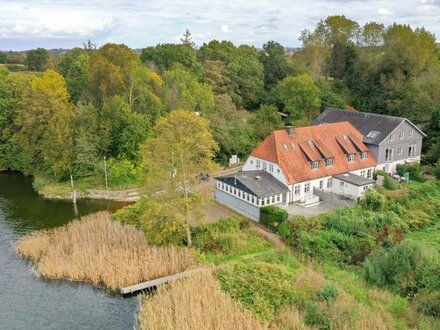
92,103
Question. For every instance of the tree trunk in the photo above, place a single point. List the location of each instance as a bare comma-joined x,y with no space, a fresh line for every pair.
188,236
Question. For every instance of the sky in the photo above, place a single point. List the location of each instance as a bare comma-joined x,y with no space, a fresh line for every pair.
138,24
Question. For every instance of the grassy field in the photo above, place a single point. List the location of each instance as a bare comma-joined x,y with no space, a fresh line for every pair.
51,188
429,236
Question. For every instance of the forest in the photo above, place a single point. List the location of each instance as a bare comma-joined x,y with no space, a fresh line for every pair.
62,113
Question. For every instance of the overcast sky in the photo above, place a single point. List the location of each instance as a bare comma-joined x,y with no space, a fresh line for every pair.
66,24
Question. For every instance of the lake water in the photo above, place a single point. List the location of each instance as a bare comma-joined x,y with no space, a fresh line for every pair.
29,302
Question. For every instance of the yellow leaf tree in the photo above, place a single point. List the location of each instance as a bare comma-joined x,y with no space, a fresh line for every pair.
180,148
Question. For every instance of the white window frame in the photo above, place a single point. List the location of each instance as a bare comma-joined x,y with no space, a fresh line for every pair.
392,137
401,135
329,162
321,184
363,173
389,154
364,155
306,187
329,182
412,150
314,165
410,133
258,164
350,158
399,151
369,173
264,166
271,167
297,190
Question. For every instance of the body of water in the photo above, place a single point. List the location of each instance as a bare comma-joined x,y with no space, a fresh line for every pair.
29,302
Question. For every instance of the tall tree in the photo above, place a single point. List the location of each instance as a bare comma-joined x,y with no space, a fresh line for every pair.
265,120
37,59
45,125
74,66
181,147
187,39
301,96
274,60
3,57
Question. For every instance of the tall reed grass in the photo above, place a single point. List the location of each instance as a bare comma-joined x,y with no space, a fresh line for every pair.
103,252
194,303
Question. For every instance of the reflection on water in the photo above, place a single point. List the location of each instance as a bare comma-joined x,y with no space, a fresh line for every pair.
27,302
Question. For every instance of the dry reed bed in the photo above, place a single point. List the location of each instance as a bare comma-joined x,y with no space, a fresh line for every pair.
103,252
196,302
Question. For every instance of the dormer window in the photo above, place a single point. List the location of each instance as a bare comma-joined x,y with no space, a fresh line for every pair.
364,155
350,158
314,165
329,162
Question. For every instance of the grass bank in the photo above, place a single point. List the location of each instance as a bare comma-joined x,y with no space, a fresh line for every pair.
103,252
50,188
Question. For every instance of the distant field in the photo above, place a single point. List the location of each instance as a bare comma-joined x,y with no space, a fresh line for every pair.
429,236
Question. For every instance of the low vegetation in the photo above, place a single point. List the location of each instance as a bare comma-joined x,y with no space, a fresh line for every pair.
194,303
103,252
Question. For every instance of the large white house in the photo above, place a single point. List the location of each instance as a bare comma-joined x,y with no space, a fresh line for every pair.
290,165
391,140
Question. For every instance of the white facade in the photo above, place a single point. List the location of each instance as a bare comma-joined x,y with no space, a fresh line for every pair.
344,188
391,167
257,164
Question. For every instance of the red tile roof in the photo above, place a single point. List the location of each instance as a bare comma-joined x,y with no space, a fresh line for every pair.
314,143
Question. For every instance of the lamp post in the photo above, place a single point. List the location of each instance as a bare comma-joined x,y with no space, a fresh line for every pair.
105,173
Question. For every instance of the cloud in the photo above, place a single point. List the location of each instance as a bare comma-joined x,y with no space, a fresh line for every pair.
225,29
140,23
383,12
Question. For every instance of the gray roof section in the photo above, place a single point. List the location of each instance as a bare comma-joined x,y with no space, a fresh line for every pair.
365,122
258,183
354,179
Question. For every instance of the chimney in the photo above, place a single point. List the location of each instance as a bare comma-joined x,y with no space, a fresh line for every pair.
290,130
235,180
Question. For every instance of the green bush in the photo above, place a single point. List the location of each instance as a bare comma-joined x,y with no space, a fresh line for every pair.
389,183
328,293
272,216
283,230
219,237
122,173
407,267
414,170
316,316
437,170
429,303
262,287
374,201
160,224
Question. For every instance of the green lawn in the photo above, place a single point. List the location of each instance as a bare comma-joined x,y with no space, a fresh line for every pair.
429,236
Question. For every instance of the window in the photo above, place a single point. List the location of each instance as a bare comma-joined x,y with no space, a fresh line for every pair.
329,162
278,170
410,133
314,165
285,146
264,166
329,182
321,184
271,167
239,193
363,173
293,145
350,158
272,199
248,198
399,151
412,150
401,135
278,198
364,155
369,173
341,184
253,199
392,137
258,164
345,137
307,187
262,202
388,154
297,190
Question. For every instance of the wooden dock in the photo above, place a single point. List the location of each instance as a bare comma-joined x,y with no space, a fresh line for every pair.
149,285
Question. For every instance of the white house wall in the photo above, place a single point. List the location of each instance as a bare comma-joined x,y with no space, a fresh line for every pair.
391,167
251,165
